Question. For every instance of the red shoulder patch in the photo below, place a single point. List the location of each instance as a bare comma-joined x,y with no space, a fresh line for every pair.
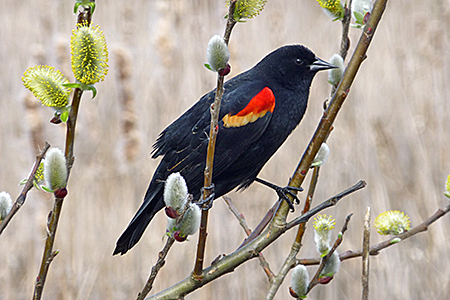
257,108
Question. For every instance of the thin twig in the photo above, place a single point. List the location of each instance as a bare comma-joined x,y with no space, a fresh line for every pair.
290,260
264,222
23,195
375,249
248,231
328,203
84,16
207,191
159,264
365,256
315,280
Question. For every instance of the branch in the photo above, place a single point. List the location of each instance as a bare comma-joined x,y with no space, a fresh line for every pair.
337,101
365,256
207,191
49,254
328,203
290,260
264,264
159,264
228,263
375,249
23,195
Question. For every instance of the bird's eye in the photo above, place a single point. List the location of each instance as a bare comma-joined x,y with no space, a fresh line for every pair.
299,62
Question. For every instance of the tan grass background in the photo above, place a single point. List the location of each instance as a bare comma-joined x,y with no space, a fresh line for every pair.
393,132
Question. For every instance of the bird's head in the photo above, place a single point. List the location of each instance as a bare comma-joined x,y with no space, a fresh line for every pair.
292,65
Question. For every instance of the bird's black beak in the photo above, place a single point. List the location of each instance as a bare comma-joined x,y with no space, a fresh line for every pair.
319,65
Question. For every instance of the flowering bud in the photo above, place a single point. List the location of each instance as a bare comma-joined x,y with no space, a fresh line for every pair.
322,156
392,222
359,10
332,8
299,282
332,266
322,232
247,9
55,169
175,192
217,53
89,54
335,75
5,205
46,84
190,221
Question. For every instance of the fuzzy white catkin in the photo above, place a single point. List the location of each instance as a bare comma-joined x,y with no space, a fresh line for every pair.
322,238
335,75
322,156
191,220
361,6
300,280
217,53
332,265
175,192
55,169
5,205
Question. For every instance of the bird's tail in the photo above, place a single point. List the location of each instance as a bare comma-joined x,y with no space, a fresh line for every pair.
153,202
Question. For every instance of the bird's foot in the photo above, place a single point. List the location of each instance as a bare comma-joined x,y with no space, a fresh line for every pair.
283,192
207,203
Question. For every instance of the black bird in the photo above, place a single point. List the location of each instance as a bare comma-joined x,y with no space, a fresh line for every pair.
259,110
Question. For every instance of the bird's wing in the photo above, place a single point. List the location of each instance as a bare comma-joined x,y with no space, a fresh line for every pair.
245,113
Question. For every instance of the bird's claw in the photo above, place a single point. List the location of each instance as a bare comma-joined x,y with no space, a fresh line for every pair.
283,193
207,203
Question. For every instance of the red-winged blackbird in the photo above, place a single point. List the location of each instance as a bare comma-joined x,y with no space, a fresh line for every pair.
260,108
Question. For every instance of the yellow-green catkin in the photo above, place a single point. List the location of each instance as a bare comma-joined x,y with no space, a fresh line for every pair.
392,222
89,54
46,84
332,8
247,9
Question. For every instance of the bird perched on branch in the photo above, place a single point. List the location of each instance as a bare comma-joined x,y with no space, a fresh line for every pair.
259,109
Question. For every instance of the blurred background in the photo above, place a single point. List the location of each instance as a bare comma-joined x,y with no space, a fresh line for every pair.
392,132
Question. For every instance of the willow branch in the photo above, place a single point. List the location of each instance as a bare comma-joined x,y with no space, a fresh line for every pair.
228,263
262,261
207,191
159,264
49,254
336,103
28,186
365,256
290,260
375,249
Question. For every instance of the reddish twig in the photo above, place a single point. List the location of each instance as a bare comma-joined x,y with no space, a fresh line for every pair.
207,191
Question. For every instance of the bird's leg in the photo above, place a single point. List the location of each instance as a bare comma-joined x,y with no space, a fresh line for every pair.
207,203
283,192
